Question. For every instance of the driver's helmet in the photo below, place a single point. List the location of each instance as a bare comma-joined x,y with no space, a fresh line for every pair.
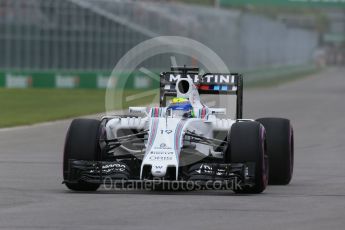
180,107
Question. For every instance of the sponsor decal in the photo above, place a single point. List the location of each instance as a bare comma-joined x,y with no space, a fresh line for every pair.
163,146
66,81
103,81
161,153
160,156
142,82
18,81
115,165
208,78
108,168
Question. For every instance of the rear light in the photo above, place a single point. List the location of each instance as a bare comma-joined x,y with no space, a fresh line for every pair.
204,87
216,87
224,88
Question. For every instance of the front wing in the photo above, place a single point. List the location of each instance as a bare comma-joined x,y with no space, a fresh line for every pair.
202,175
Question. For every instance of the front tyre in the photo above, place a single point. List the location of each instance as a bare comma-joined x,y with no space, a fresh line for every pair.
280,149
82,143
247,145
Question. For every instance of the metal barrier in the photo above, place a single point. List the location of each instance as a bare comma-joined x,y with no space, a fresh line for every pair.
91,35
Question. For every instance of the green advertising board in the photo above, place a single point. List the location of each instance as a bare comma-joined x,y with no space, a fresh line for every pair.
292,3
334,38
74,79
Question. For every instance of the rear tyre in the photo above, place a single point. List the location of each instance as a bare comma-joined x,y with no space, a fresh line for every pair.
82,143
247,144
280,149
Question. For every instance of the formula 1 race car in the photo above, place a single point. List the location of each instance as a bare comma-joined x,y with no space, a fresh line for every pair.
183,141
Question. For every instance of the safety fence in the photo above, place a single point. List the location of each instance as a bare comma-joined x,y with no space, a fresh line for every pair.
88,37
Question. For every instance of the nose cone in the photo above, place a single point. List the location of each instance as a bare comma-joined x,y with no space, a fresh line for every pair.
163,147
158,170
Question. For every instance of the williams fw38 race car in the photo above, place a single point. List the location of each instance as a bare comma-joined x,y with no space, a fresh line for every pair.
183,141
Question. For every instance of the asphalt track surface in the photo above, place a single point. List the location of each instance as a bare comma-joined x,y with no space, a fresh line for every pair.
32,196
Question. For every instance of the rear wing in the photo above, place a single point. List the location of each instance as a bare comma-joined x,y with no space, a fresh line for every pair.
209,83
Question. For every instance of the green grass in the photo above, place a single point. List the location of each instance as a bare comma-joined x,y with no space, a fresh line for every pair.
29,106
200,2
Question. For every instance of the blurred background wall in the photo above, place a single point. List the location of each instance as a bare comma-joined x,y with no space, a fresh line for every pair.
58,36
